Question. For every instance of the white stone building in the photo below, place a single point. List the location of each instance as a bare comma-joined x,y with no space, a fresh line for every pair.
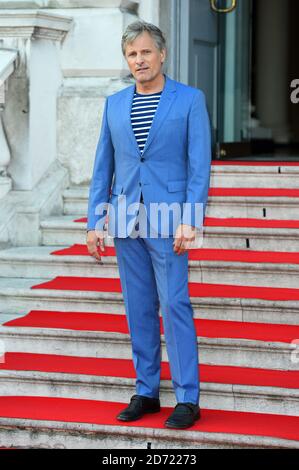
60,58
58,61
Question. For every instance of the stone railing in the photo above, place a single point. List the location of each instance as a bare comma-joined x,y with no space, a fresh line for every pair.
8,60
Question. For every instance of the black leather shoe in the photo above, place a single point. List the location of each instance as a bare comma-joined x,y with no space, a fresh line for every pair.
183,416
138,406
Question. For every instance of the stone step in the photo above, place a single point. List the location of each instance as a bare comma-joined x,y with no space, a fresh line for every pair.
17,297
228,351
44,422
222,202
38,261
60,376
255,175
62,231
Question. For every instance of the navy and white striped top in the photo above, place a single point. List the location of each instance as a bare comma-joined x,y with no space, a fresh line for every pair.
142,114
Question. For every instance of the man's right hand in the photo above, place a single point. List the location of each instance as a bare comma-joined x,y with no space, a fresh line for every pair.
95,238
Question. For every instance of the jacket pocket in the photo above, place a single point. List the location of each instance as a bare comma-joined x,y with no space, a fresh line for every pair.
177,185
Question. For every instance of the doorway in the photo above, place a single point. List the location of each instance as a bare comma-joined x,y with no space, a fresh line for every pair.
258,48
244,61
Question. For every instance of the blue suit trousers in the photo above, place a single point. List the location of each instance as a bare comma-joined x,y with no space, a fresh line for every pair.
153,275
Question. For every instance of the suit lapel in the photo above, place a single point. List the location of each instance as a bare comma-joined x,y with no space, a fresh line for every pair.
167,97
126,114
166,100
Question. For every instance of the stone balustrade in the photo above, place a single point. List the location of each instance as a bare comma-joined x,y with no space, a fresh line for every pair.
8,59
29,117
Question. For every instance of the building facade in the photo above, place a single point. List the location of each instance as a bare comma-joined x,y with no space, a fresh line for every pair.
61,58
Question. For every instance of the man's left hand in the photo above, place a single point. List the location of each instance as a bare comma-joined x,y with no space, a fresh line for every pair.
184,236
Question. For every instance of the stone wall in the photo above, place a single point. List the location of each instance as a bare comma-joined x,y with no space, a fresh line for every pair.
90,67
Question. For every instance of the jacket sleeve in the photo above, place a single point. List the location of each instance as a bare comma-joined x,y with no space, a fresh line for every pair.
102,175
199,162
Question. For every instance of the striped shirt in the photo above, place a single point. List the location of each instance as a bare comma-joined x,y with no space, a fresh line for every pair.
142,114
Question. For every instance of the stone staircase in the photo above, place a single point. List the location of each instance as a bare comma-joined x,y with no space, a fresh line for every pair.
67,369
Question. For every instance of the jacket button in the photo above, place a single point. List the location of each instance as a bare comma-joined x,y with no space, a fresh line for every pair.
142,159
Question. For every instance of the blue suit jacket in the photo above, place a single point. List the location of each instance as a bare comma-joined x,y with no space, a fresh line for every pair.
174,167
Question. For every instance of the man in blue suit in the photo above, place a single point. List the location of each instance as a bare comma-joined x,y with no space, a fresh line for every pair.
155,142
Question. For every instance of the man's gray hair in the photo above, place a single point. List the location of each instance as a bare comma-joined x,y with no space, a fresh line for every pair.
138,27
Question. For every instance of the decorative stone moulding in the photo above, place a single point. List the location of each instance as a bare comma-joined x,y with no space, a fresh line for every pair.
34,24
21,4
14,4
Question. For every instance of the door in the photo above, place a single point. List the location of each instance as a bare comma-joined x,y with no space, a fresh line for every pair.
198,64
234,81
214,55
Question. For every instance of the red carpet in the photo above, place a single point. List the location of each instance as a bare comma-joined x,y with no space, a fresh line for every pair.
253,163
125,368
208,254
81,250
85,321
239,222
196,289
254,192
81,283
242,222
103,412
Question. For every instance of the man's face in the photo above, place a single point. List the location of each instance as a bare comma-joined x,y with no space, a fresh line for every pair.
144,58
